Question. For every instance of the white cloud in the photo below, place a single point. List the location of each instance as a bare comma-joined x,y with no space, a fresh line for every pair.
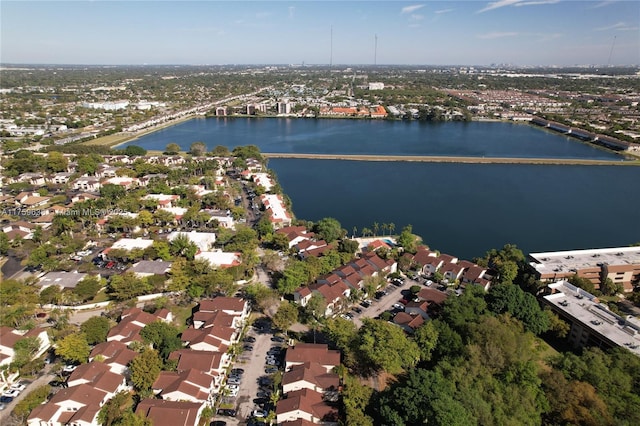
503,3
417,17
602,4
498,4
620,26
292,11
536,2
411,9
439,12
497,34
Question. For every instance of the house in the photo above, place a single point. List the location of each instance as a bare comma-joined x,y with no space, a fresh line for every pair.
213,363
77,405
408,322
220,259
276,210
318,353
212,339
87,183
205,241
131,322
170,413
147,268
418,307
302,295
308,405
59,178
309,375
114,354
129,244
123,181
83,197
234,306
62,279
163,200
9,337
296,234
189,385
98,376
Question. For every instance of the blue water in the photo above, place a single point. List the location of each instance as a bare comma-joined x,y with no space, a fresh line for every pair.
461,209
326,136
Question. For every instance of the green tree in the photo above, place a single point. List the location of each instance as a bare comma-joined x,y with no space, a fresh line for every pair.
198,149
88,287
355,398
408,240
329,229
144,370
383,346
24,350
50,295
523,306
96,329
73,348
134,150
583,283
285,316
127,286
56,162
220,151
172,149
426,337
32,400
163,336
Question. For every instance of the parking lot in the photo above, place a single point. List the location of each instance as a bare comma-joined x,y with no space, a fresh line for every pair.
385,303
253,363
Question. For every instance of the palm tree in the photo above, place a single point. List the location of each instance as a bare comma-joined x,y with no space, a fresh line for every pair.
366,231
392,227
355,231
375,228
384,228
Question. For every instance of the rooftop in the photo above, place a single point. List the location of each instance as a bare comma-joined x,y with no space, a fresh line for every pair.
587,309
573,260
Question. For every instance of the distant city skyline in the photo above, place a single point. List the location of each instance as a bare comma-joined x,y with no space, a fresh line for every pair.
516,32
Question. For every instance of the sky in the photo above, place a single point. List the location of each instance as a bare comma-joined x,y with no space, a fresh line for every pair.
389,32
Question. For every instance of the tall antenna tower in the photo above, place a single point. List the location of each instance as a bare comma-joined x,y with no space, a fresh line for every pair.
331,49
611,51
375,51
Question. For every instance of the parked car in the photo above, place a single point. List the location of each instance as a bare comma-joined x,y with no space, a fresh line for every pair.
263,394
258,413
69,368
247,348
227,412
19,386
2,406
398,306
218,423
270,370
233,381
278,339
239,371
249,339
11,393
6,399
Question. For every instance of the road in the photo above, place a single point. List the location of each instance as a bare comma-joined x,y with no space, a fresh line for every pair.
455,159
45,378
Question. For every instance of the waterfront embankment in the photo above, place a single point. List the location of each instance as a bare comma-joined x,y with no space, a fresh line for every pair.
455,159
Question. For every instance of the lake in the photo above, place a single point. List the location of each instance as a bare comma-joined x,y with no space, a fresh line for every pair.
461,209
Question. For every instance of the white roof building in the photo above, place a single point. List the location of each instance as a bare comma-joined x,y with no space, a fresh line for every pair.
219,259
203,240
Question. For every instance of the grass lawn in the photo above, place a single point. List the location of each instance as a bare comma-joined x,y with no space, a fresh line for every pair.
181,314
109,140
102,296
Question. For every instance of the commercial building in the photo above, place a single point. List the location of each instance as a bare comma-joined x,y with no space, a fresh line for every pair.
592,323
620,264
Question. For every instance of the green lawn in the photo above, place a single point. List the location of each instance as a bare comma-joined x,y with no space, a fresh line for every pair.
180,315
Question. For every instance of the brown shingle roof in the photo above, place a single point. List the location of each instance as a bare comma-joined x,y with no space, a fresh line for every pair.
320,353
169,413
